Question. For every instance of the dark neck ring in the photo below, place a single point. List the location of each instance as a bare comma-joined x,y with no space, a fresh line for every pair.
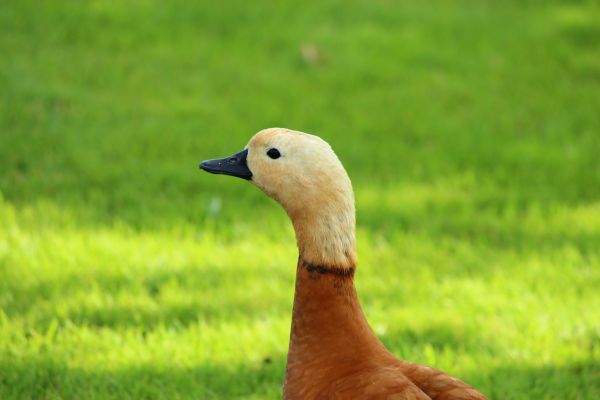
328,270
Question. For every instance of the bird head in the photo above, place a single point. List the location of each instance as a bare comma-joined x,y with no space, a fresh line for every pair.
304,175
298,170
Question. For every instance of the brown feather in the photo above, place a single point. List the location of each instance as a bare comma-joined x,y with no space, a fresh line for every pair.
334,354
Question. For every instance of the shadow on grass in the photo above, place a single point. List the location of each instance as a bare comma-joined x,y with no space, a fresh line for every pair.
46,377
576,381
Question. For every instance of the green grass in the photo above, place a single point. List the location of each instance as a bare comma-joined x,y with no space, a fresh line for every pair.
471,132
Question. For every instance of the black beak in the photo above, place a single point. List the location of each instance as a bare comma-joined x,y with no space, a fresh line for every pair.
234,165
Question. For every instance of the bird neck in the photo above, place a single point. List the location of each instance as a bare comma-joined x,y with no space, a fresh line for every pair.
329,328
325,233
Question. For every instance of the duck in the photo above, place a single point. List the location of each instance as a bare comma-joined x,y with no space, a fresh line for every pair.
333,352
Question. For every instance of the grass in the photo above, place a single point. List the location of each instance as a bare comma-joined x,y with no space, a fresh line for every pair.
471,132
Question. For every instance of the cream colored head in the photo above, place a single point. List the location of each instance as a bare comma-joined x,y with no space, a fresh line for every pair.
304,175
311,184
307,173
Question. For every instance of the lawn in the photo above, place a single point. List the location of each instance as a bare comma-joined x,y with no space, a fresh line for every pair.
470,129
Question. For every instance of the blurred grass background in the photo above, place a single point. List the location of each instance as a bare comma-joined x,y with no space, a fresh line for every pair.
471,130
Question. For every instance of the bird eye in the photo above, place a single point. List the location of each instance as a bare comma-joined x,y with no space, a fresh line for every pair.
273,153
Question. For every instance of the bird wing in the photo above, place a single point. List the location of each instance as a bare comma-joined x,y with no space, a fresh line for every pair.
386,383
437,384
